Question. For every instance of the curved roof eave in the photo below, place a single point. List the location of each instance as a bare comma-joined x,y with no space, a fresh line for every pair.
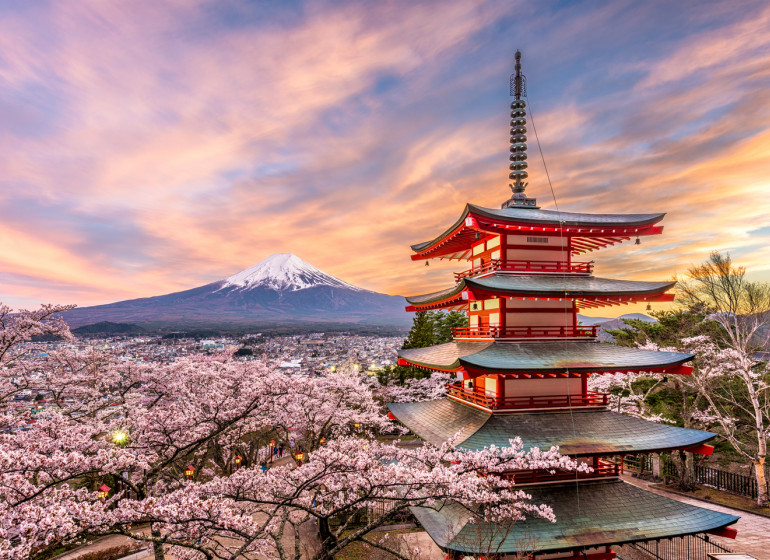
545,217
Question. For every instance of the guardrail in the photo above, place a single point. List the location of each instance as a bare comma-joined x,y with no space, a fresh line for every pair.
525,332
606,467
543,267
524,402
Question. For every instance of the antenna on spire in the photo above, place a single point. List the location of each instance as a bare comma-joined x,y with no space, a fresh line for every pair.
518,80
518,155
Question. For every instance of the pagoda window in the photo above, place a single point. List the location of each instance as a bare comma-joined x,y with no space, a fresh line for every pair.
543,387
490,386
528,313
536,248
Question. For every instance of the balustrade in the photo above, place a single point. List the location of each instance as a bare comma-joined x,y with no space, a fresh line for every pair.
525,332
603,468
543,267
493,402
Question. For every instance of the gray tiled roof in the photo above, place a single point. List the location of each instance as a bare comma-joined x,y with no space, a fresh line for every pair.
576,433
552,356
533,216
548,286
588,513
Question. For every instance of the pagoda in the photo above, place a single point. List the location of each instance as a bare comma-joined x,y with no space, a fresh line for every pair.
522,367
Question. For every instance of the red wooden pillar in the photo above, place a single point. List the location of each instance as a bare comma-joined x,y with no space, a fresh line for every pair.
584,384
500,390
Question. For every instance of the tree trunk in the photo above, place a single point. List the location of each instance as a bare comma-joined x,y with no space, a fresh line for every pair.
326,536
759,472
686,467
157,547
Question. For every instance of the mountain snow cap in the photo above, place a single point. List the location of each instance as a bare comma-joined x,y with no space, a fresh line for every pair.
284,272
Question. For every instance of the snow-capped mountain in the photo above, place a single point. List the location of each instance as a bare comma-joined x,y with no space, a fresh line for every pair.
280,290
284,272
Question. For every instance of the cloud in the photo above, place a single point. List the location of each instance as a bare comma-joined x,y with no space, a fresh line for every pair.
153,147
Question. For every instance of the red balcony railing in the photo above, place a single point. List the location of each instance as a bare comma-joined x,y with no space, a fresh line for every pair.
524,332
524,402
604,467
544,267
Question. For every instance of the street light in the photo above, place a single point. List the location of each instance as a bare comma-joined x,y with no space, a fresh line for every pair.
189,472
238,460
357,425
299,457
104,491
272,449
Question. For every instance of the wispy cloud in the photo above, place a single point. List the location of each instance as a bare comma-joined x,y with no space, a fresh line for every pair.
150,147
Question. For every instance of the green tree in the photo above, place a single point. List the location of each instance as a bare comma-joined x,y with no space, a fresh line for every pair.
443,323
422,334
675,397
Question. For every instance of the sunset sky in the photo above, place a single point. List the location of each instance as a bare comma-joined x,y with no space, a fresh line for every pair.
153,146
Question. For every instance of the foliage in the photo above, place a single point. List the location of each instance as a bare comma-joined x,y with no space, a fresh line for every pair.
428,329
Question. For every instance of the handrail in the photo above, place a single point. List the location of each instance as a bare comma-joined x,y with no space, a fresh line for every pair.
602,469
553,267
591,398
525,332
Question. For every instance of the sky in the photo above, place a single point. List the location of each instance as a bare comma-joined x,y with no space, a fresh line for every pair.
148,147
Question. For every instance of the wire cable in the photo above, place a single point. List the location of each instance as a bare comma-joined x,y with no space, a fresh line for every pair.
565,258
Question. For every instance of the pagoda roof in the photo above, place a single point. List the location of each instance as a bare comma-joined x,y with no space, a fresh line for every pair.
570,287
610,228
539,357
589,513
576,433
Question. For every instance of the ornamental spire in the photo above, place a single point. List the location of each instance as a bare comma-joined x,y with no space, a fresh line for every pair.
518,155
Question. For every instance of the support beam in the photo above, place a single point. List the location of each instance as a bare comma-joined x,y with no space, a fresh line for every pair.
727,532
701,449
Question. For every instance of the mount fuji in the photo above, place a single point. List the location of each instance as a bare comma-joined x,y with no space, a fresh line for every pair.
282,290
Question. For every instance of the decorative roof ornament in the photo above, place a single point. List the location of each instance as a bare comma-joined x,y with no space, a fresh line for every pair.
518,155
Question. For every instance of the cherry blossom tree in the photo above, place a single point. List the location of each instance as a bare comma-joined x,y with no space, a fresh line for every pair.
735,386
164,439
734,379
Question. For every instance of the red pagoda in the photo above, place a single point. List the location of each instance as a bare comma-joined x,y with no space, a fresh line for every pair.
523,364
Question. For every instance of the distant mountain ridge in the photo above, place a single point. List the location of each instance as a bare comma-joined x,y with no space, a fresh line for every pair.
282,289
612,323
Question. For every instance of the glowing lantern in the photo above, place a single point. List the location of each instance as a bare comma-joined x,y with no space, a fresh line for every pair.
104,491
189,472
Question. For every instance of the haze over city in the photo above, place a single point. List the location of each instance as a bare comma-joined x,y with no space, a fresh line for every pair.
154,147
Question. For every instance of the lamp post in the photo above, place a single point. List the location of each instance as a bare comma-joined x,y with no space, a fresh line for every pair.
238,460
357,425
299,457
189,472
104,491
272,449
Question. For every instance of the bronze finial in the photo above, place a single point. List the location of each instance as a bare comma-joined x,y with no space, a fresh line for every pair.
518,155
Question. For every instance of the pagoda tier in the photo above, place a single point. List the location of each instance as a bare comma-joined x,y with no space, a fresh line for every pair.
523,364
583,232
527,360
581,433
585,291
591,516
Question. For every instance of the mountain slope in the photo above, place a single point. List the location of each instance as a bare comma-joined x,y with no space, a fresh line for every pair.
282,289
